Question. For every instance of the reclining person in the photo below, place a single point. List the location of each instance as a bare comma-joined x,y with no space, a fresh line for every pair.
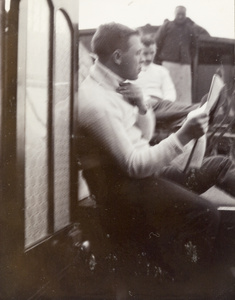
155,80
158,87
133,180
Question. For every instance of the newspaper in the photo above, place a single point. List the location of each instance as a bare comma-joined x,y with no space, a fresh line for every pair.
194,151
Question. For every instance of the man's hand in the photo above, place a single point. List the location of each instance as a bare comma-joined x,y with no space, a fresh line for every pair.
195,126
134,95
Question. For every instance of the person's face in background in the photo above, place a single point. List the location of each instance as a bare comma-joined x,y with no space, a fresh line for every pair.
180,15
148,54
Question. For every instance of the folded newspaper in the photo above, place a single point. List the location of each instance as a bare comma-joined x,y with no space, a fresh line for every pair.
194,151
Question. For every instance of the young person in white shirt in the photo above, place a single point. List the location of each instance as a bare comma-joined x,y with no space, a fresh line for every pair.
127,175
154,80
157,85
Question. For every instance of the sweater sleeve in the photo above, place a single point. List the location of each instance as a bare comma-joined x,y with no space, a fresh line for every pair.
146,123
137,160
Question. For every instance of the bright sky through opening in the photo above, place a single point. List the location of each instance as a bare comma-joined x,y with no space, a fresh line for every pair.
216,16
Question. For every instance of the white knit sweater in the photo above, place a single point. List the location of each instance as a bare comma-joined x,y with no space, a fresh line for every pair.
120,133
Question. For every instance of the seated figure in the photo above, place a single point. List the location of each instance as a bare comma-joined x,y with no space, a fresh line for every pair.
134,181
154,80
159,90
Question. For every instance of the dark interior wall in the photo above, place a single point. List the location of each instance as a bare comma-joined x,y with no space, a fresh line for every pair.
211,54
205,73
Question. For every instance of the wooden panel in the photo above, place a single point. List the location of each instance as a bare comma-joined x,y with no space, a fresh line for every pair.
211,53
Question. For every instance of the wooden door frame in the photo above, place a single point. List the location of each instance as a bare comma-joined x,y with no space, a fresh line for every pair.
23,273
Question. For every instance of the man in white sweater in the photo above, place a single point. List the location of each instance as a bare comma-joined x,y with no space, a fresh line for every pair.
125,173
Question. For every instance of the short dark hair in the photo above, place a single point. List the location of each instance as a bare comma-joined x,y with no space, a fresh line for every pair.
109,37
147,41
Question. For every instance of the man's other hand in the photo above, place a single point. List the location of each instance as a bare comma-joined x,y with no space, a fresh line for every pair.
195,126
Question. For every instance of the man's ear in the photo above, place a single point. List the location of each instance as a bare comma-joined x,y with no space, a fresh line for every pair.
117,56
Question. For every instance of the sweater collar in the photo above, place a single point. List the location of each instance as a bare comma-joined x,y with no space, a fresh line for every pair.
105,76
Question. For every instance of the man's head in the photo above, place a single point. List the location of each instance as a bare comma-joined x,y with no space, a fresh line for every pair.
180,14
119,48
149,50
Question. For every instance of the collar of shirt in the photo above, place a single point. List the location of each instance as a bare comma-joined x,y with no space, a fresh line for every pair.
105,76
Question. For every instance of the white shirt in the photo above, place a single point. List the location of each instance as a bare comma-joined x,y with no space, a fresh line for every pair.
155,81
115,131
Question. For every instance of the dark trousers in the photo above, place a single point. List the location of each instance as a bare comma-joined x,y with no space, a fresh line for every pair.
169,117
215,170
167,210
171,113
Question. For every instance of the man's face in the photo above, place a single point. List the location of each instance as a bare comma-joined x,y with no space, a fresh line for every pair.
180,15
148,54
131,59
